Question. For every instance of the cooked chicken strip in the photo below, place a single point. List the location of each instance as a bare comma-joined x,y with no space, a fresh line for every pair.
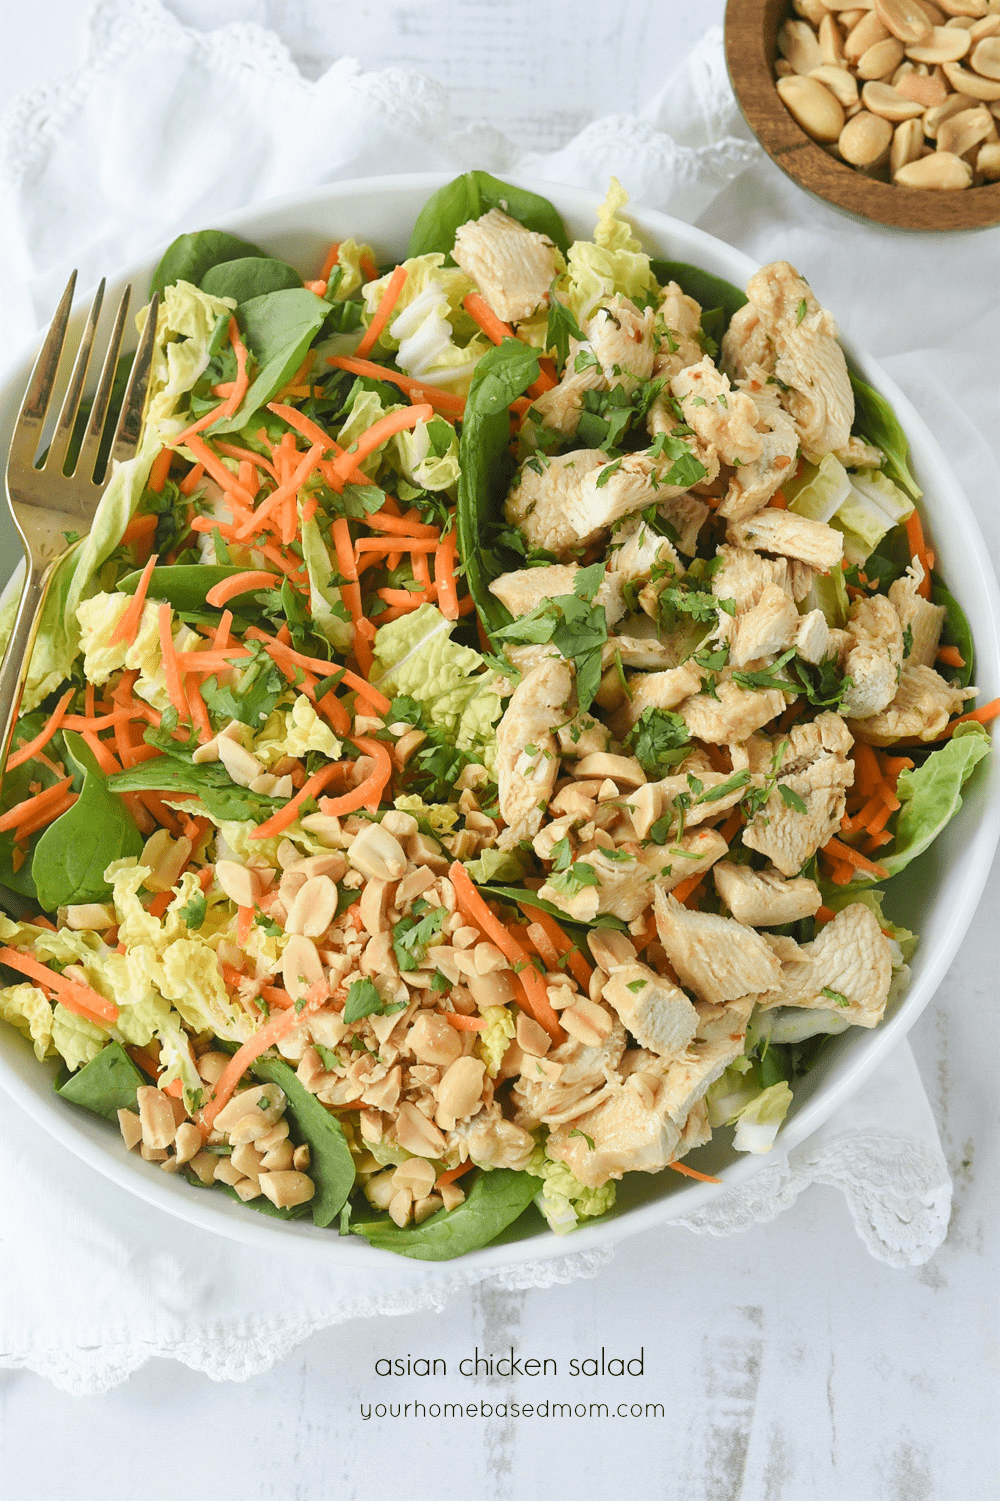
921,708
527,750
716,957
512,266
763,898
524,588
874,657
815,543
783,329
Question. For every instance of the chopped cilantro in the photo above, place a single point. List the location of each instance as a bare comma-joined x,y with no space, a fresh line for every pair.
193,912
364,1000
791,798
835,995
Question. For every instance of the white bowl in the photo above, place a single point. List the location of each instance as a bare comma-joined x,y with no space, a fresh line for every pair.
936,896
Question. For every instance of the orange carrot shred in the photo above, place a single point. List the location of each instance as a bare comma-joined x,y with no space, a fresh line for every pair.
28,751
171,669
128,627
383,312
241,583
443,401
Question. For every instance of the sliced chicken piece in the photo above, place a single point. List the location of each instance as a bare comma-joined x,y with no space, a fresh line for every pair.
628,1136
582,736
815,543
658,1014
874,657
583,1074
637,552
916,614
857,454
743,575
527,750
621,338
609,491
783,329
767,628
644,652
524,588
850,959
617,351
753,484
560,407
696,1131
687,515
625,888
678,322
733,715
921,708
724,419
720,1041
716,957
661,690
763,898
512,266
812,637
648,804
816,771
539,499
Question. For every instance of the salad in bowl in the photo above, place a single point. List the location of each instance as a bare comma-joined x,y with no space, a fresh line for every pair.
469,758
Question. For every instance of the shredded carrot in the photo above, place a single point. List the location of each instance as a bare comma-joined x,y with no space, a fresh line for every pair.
824,915
171,669
895,764
311,431
72,994
216,469
533,987
919,550
288,814
844,854
464,1023
690,1172
28,751
231,404
443,401
732,826
383,312
867,773
103,756
336,713
493,327
380,432
401,526
778,501
444,575
40,818
244,925
376,547
271,1032
950,656
452,1173
241,583
378,700
128,627
285,493
563,945
192,480
368,793
140,528
158,473
344,547
326,270
369,270
37,803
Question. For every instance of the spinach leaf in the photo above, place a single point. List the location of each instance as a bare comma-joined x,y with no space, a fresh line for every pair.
106,1084
279,328
469,197
175,773
521,897
875,420
495,1201
331,1165
72,855
14,790
185,586
956,632
250,276
189,257
502,374
713,294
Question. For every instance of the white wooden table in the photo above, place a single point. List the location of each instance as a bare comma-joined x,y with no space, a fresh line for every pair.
790,1366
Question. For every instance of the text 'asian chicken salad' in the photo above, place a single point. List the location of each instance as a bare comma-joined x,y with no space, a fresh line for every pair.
464,761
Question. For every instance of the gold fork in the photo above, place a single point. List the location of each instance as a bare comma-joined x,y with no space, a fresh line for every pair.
54,497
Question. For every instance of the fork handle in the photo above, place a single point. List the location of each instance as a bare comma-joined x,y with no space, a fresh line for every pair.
14,668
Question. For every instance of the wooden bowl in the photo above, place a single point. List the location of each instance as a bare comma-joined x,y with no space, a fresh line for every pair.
751,31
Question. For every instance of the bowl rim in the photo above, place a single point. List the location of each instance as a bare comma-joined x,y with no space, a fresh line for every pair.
86,1136
750,61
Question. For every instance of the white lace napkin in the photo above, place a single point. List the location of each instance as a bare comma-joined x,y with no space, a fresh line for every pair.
94,173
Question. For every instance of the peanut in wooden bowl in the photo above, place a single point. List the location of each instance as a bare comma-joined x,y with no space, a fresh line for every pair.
751,33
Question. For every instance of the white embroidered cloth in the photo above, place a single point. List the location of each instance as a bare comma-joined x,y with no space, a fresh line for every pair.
93,174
